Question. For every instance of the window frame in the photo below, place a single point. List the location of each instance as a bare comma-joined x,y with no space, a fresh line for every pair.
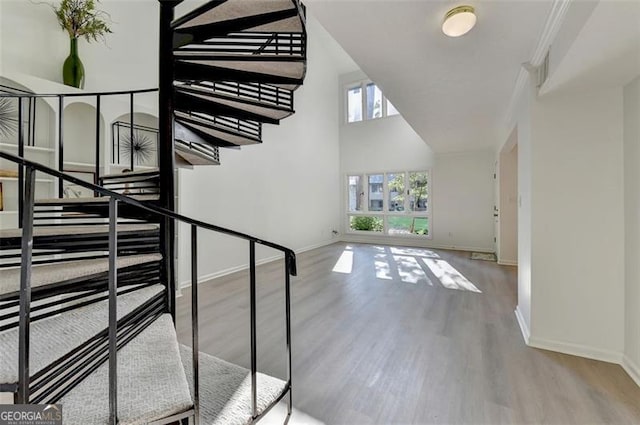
362,84
385,213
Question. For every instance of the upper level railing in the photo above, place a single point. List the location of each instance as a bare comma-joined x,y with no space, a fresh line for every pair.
115,199
26,101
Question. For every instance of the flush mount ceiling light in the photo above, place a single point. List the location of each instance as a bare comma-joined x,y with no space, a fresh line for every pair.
459,21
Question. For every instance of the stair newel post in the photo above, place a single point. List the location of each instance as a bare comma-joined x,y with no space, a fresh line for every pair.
113,312
60,144
25,287
166,149
254,345
287,303
96,178
194,323
20,167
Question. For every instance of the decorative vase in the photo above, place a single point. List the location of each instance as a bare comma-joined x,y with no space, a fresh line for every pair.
73,70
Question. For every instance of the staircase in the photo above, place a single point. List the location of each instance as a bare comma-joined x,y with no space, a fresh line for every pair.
87,286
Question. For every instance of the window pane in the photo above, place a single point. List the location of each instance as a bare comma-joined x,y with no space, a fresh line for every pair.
402,225
374,101
391,110
354,104
418,191
396,191
365,223
356,193
376,192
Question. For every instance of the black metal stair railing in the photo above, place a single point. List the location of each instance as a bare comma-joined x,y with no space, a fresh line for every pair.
244,43
116,338
25,98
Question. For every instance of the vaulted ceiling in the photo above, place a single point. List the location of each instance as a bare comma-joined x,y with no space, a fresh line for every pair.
454,92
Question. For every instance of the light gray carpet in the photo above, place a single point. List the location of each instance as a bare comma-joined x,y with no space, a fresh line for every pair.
151,382
46,274
238,8
53,337
77,230
225,390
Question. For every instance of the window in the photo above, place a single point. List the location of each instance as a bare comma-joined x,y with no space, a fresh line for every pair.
365,101
354,104
394,203
391,110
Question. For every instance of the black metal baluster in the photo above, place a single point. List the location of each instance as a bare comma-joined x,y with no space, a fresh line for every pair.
25,288
113,311
287,292
96,179
20,167
194,323
60,144
131,128
252,297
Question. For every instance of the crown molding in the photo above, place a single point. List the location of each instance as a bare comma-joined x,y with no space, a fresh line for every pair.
554,21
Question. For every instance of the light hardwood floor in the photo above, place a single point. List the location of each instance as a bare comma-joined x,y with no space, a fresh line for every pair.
405,349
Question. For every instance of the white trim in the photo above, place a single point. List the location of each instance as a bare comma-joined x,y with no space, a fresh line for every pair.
576,350
526,334
554,21
235,269
632,369
508,262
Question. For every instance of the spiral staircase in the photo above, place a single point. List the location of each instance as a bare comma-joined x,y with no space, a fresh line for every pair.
87,286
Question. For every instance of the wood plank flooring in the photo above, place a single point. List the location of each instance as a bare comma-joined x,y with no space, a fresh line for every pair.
392,343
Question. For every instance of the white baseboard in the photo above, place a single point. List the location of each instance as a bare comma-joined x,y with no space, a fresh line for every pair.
526,334
235,269
632,369
507,263
576,350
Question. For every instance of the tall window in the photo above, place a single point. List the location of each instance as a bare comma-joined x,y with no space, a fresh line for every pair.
365,101
394,203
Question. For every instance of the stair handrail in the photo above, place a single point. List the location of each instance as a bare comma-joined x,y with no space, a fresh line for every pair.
73,94
152,208
23,389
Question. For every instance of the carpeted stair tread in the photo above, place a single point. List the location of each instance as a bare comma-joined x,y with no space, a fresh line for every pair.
55,336
225,390
237,8
92,200
77,230
46,274
151,382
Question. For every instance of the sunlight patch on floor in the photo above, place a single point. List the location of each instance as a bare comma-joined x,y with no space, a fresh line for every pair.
409,269
449,276
383,270
415,252
344,263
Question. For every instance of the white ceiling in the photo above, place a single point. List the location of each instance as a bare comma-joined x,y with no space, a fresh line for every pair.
453,92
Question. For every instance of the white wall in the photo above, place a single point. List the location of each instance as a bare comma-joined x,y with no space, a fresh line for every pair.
285,190
461,184
463,200
525,235
632,227
577,224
